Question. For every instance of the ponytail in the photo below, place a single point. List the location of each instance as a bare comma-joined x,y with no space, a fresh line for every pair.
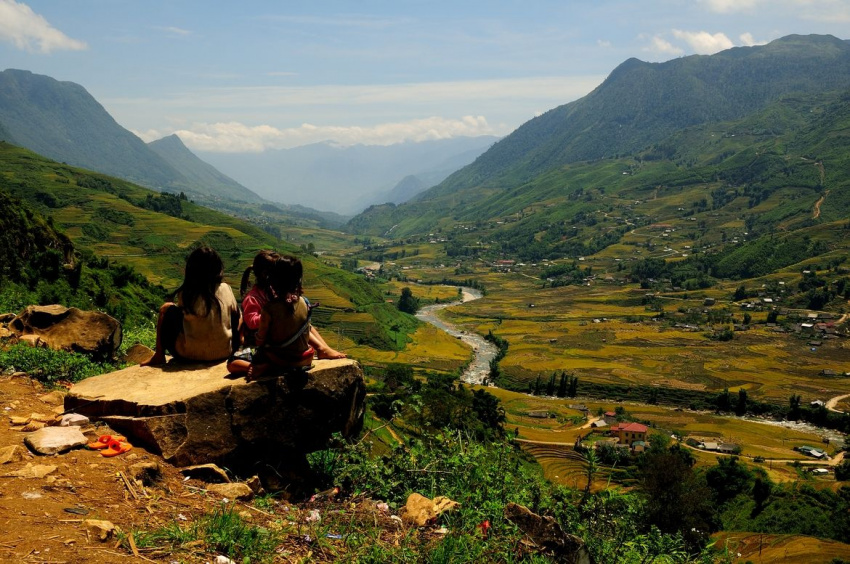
246,277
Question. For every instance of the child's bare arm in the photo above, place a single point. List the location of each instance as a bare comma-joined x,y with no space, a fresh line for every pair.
263,329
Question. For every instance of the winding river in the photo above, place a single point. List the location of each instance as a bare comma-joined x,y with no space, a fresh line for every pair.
485,351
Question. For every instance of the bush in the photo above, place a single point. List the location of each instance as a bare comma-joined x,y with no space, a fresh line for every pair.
48,365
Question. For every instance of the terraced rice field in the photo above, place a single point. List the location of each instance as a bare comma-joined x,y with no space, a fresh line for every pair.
604,334
553,436
789,549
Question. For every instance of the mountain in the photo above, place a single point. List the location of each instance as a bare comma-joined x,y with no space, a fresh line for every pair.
62,121
115,222
345,179
638,105
198,173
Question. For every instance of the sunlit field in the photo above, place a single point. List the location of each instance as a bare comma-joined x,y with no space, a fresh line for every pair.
605,334
554,425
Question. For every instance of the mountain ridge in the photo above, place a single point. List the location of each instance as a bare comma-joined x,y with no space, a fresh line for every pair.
198,172
638,105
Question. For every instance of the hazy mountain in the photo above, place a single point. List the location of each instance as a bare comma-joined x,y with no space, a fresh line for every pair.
199,173
345,179
62,121
637,105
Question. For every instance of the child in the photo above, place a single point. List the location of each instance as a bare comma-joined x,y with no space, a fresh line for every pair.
252,305
283,334
202,324
258,296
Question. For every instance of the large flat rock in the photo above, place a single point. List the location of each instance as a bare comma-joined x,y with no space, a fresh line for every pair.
198,413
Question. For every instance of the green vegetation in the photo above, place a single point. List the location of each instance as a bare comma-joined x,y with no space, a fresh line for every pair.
51,366
146,236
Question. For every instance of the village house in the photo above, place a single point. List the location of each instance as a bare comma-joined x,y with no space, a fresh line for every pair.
629,433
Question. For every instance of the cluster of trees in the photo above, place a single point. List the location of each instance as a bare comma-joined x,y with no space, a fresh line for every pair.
407,302
567,386
165,202
437,401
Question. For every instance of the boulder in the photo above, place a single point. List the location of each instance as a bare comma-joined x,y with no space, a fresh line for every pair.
71,329
546,533
198,413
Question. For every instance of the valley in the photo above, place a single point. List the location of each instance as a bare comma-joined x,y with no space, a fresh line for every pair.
633,308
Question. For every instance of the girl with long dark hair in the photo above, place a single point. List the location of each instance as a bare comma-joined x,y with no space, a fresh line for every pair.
203,323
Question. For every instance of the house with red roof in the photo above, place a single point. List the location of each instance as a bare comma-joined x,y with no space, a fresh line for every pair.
629,433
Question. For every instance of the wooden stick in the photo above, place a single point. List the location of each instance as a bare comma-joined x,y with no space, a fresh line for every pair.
132,542
129,486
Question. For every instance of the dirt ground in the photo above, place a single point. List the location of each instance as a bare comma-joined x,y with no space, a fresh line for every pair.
42,518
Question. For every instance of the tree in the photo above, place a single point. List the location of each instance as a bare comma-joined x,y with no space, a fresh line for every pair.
677,498
408,303
794,405
842,471
398,375
741,406
728,479
562,385
573,389
550,385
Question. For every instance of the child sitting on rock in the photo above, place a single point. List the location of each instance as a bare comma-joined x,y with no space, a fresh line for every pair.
202,324
253,303
283,333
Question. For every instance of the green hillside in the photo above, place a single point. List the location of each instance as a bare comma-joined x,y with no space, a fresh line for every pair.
732,190
151,232
639,105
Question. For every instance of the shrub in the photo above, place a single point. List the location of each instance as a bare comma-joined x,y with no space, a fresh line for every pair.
48,365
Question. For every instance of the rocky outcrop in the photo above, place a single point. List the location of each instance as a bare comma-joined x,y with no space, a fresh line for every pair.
547,534
198,413
70,329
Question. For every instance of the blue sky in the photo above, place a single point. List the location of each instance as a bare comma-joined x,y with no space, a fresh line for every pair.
255,75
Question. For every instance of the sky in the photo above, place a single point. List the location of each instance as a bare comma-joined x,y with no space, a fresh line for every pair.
258,75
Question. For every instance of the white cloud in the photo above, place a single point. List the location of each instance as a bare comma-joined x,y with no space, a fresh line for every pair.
603,43
704,43
31,32
748,40
175,31
730,6
235,137
833,11
658,44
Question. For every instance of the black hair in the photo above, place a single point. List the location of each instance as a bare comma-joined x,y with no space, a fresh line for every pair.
285,277
204,274
263,265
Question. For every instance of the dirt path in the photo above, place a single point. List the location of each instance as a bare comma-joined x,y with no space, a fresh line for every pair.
832,402
816,213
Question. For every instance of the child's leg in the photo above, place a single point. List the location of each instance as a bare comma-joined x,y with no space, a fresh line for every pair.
323,350
166,333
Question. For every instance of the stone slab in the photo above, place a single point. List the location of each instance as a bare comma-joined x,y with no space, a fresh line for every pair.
54,440
198,413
